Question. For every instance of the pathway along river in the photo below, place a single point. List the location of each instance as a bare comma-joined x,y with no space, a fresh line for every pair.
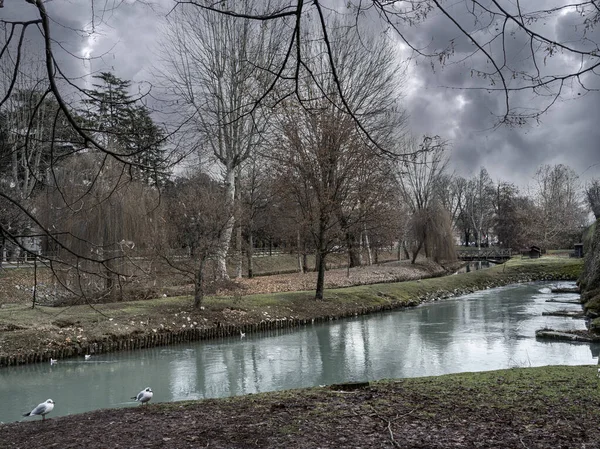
487,330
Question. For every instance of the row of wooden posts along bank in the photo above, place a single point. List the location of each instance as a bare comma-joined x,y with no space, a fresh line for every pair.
165,338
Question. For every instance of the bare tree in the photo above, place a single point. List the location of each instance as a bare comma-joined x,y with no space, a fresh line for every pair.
419,177
560,213
33,134
480,204
322,152
461,220
368,217
256,192
216,66
194,226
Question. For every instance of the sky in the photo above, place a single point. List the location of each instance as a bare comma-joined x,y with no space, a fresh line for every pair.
124,37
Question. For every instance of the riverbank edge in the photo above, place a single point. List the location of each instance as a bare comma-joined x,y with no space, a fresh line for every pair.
538,407
361,300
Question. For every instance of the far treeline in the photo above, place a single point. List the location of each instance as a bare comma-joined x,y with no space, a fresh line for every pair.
249,146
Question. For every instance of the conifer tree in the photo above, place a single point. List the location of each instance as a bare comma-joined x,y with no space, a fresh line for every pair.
125,126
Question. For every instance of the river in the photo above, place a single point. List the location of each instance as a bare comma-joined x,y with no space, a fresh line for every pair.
487,330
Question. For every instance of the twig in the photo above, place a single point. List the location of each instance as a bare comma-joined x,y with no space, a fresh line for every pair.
521,440
389,424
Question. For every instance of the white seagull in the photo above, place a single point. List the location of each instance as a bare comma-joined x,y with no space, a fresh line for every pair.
88,356
144,396
53,361
42,409
242,334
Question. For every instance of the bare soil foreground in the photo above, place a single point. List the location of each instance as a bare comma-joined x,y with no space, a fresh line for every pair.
549,407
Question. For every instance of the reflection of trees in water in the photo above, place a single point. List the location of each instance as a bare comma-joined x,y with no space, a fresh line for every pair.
345,348
182,376
255,365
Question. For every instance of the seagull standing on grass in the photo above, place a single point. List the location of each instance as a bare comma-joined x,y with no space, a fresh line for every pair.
42,409
144,396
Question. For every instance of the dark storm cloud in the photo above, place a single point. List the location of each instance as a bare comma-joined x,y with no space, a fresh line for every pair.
440,100
121,36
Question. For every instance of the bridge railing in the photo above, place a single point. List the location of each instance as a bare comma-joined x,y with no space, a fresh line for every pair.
485,253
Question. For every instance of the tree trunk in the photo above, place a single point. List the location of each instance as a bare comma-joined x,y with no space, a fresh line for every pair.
238,252
320,275
238,233
406,254
479,234
35,283
299,246
225,237
416,252
304,258
250,254
353,250
368,248
199,285
425,244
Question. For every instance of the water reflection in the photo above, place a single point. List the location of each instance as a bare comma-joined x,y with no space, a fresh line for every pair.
475,265
487,330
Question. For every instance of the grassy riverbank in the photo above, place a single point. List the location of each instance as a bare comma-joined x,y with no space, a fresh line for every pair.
30,335
547,407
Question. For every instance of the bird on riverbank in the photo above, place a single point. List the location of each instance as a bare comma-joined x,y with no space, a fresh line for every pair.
144,396
42,409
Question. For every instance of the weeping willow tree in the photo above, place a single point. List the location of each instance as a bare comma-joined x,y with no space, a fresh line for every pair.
430,230
440,244
104,216
419,179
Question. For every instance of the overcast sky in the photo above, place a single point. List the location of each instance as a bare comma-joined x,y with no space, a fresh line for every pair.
126,41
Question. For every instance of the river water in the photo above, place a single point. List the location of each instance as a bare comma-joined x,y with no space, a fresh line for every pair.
487,330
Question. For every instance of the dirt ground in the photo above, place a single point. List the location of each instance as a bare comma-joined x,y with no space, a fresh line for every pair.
16,286
335,278
520,408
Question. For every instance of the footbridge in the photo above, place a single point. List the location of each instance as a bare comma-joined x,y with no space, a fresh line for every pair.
491,254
